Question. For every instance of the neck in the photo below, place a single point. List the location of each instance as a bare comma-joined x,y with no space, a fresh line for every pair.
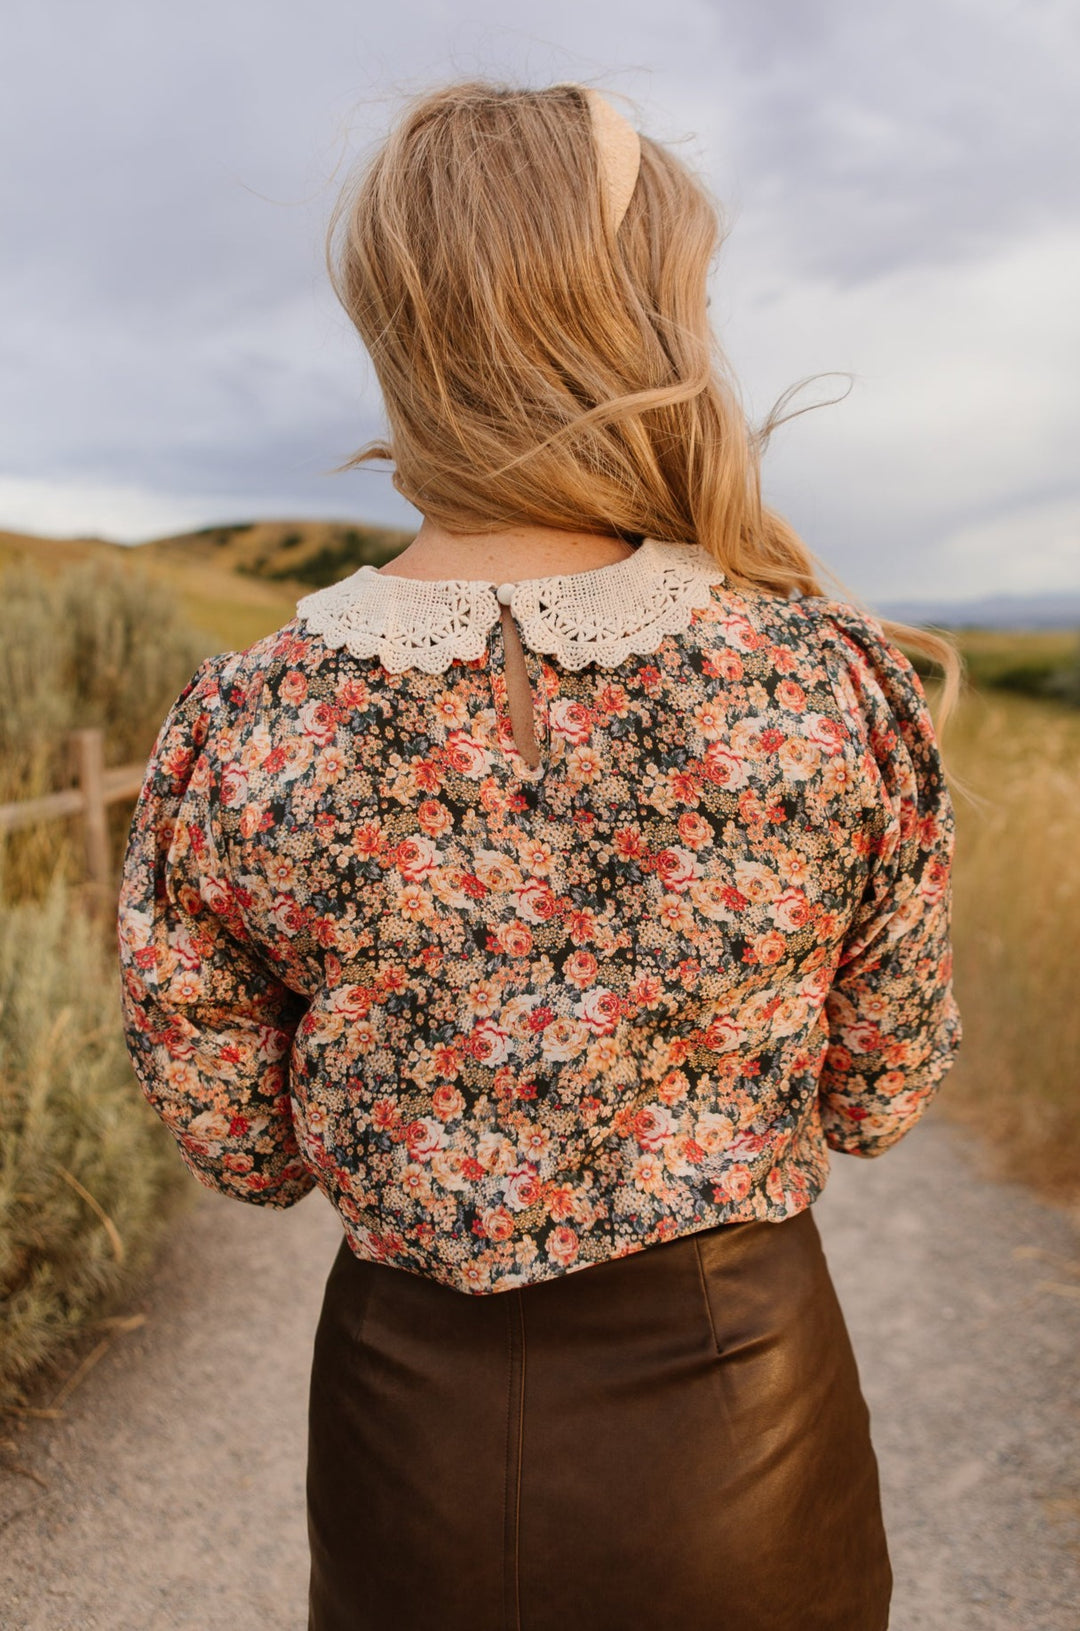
516,552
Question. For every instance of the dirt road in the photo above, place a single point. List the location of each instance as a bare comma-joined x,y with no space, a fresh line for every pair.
174,1493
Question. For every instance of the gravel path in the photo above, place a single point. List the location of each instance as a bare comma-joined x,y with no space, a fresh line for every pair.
174,1493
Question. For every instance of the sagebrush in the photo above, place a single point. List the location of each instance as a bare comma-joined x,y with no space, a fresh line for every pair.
1017,934
100,645
88,1175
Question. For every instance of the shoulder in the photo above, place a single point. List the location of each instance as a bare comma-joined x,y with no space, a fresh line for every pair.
841,640
232,684
858,640
835,637
227,694
844,653
882,696
874,675
814,622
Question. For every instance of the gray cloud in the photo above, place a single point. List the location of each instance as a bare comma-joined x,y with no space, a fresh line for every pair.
898,176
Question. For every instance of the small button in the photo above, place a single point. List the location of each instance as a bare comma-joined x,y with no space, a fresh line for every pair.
503,593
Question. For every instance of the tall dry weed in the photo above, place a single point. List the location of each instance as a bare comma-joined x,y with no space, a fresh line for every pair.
88,1175
87,1172
1018,935
101,645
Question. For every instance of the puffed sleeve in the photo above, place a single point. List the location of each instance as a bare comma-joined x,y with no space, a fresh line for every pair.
208,1023
893,1020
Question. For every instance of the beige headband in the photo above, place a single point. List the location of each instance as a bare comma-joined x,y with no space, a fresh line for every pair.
618,148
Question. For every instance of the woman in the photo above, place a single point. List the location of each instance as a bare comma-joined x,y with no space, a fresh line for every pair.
554,899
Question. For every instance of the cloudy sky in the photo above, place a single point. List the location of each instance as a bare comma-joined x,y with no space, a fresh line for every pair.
902,196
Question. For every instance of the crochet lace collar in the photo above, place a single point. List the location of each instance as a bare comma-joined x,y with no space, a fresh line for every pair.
600,616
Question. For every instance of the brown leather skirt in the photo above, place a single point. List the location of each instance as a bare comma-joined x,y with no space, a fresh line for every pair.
672,1441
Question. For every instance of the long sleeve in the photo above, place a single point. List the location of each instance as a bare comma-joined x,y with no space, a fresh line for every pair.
893,1020
208,1023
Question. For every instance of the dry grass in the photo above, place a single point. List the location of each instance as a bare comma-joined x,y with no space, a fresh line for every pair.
88,1175
238,581
1018,936
99,644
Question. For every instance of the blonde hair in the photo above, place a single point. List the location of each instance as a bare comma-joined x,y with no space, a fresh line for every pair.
538,368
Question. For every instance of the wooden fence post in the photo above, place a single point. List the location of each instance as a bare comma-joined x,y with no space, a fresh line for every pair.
96,789
89,746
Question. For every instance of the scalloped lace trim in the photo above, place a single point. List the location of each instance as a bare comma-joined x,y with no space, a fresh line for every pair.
600,616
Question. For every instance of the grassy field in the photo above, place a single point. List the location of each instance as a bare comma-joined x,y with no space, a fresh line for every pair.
234,583
88,1176
992,653
1017,933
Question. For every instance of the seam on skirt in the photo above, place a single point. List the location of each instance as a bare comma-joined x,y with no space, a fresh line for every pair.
515,1434
520,1462
705,1291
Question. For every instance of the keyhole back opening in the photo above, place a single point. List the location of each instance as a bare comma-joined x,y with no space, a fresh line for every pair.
519,698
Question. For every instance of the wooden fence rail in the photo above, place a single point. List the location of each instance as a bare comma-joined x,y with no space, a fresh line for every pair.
95,789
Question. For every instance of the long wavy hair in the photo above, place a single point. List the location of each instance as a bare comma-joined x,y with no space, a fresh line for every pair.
538,368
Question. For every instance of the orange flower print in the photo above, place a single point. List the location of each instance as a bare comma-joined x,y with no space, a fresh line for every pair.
496,1223
799,758
521,1188
536,857
790,910
411,902
416,858
562,1245
724,768
580,969
450,711
766,949
652,1125
694,830
629,843
677,868
674,1087
513,1024
434,818
649,1173
447,1102
599,1009
465,755
571,721
514,939
293,688
711,718
319,720
736,1182
329,765
536,902
424,1136
825,733
647,992
613,700
563,1040
489,1043
676,914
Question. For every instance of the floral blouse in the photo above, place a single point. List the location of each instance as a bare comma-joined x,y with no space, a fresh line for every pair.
512,1018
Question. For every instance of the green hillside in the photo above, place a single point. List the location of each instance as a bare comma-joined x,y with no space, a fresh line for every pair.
241,579
311,553
237,581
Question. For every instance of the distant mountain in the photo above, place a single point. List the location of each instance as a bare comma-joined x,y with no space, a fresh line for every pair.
1057,611
284,557
297,552
54,554
237,581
